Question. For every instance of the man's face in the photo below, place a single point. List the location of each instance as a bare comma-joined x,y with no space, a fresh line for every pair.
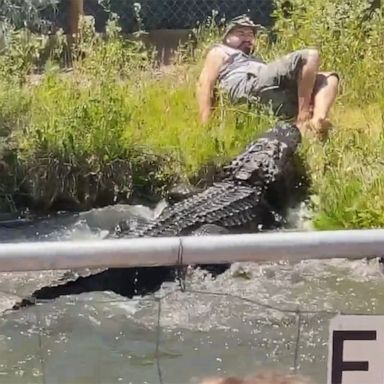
241,38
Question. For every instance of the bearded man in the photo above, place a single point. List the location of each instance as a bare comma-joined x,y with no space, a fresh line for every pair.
292,85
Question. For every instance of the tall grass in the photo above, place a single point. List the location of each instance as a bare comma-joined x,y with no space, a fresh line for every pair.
347,172
118,122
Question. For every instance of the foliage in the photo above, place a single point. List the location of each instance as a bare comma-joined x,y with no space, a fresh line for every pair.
347,172
24,12
348,34
118,107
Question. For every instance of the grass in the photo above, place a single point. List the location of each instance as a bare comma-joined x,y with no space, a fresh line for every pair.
116,125
347,172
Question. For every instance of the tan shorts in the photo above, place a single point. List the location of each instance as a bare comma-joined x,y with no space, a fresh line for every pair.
276,84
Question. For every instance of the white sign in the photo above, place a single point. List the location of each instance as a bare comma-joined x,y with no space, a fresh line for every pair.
356,350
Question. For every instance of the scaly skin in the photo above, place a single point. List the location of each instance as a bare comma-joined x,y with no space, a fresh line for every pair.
237,201
226,204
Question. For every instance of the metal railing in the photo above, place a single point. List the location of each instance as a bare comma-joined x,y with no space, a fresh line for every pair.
274,246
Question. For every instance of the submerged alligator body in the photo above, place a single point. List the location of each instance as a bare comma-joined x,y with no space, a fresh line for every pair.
241,202
256,189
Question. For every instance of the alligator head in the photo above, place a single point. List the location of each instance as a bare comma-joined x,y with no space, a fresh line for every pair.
286,133
264,159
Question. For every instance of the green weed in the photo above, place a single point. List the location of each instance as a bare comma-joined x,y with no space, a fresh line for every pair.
118,117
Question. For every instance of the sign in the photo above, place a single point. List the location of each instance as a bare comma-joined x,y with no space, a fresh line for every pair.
356,350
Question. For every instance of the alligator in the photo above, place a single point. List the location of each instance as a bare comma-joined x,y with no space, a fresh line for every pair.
252,195
241,201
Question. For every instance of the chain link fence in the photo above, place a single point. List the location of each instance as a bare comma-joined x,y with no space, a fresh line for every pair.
184,14
165,14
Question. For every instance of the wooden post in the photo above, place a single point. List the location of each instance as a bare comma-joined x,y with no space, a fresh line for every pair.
76,10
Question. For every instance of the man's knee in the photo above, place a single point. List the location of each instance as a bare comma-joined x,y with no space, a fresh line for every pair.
332,77
311,57
299,59
329,78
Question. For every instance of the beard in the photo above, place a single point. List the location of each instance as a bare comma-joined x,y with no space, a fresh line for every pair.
246,47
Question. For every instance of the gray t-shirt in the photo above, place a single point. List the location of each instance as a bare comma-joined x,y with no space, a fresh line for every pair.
235,76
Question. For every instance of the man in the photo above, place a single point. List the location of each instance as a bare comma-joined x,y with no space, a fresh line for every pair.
291,85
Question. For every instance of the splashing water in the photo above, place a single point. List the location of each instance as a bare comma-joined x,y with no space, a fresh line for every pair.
206,330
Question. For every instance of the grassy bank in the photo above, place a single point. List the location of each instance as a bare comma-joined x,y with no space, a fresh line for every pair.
116,124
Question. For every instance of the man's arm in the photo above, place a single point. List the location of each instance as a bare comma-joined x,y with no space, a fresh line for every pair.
206,83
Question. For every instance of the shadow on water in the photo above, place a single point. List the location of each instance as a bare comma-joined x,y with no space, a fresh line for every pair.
127,282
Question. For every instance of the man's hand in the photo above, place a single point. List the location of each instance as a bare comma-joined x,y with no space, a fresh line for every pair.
206,84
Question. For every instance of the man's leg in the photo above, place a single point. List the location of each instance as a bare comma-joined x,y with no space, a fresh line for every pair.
316,92
305,84
291,82
324,96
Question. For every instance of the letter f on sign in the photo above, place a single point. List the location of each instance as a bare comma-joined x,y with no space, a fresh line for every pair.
338,365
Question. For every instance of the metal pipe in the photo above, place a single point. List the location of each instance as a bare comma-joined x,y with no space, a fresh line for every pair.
260,247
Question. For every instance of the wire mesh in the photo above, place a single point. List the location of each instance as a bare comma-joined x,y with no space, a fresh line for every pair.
180,14
165,14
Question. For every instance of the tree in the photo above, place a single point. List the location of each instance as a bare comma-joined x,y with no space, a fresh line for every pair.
25,13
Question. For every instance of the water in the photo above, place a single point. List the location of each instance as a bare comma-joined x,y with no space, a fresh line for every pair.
101,337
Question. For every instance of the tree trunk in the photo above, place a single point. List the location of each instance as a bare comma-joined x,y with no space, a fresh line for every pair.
75,12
